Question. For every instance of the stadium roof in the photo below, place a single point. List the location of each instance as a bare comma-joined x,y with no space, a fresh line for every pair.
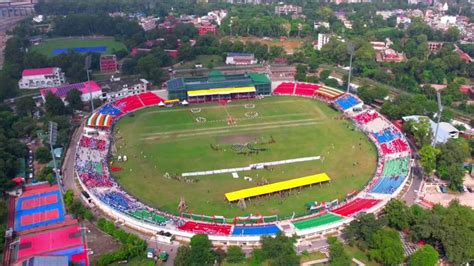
276,187
220,91
214,80
99,120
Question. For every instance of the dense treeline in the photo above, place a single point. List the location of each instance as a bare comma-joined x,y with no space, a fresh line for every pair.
274,251
449,229
11,148
149,7
123,29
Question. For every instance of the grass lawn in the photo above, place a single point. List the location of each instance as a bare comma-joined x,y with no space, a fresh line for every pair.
312,256
159,141
355,252
203,60
48,45
139,261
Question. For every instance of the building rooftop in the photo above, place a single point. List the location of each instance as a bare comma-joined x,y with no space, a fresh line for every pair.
38,71
48,261
445,130
120,84
240,54
62,91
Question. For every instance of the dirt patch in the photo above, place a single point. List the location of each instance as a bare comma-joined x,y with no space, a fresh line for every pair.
289,45
232,139
96,239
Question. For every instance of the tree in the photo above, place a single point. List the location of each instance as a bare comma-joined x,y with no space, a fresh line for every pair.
54,105
301,72
369,95
387,247
361,231
201,251
7,85
25,106
235,254
399,215
68,198
324,13
425,256
149,66
451,159
331,82
279,250
182,256
421,130
452,34
324,74
337,255
428,156
43,155
186,52
74,100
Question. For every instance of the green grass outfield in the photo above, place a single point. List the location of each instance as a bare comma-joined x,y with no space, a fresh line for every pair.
169,140
48,45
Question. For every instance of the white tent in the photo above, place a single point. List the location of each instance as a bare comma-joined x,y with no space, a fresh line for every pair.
184,102
161,104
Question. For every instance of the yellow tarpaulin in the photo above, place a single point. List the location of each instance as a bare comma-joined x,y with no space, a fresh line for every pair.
275,187
220,91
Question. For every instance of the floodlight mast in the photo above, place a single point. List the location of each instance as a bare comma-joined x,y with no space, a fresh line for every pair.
350,50
53,136
440,110
87,66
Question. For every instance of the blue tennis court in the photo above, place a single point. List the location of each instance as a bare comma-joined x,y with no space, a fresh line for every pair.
40,215
91,49
255,230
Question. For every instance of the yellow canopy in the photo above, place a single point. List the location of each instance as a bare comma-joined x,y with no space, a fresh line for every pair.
220,91
275,187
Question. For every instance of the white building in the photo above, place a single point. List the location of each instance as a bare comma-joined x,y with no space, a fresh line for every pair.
288,9
323,39
148,23
240,59
447,20
446,131
117,88
41,78
319,24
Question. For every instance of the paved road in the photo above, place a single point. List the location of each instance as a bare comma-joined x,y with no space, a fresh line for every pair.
70,183
67,169
412,193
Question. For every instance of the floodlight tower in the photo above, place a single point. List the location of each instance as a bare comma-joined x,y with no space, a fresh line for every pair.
87,66
350,51
440,110
53,136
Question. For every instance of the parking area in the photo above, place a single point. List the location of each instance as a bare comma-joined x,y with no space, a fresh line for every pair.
437,193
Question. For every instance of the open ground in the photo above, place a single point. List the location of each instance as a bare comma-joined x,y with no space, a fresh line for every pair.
48,45
162,143
289,45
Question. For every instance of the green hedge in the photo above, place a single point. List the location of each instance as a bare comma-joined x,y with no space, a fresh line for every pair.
132,245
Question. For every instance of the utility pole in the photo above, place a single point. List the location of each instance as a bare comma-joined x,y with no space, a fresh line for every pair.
350,50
